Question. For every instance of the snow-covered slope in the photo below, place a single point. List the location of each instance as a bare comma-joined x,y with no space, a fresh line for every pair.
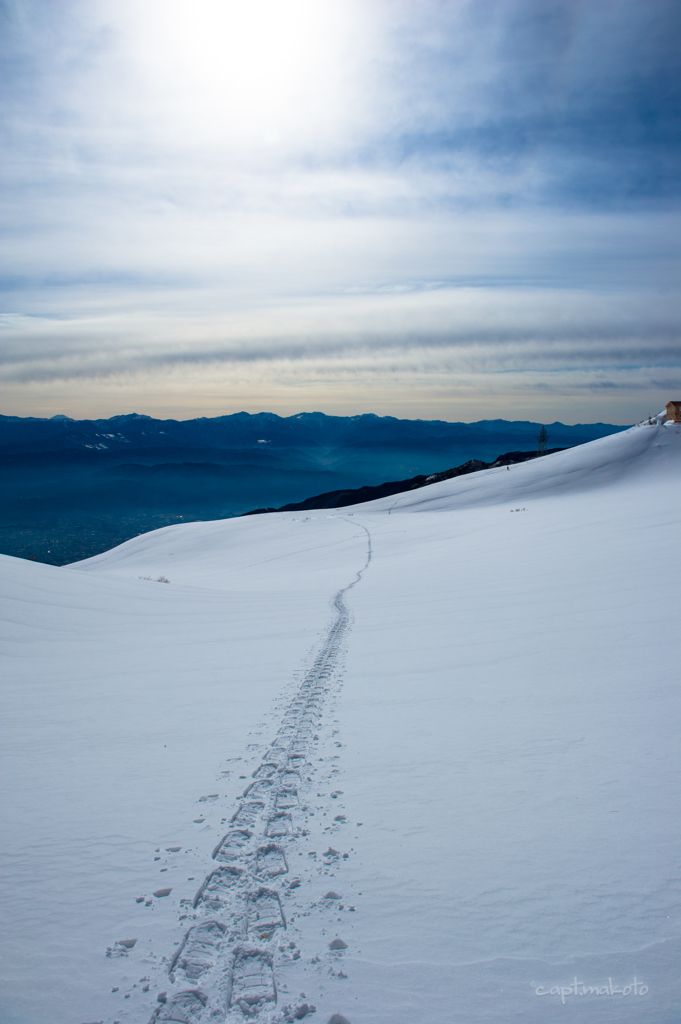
485,722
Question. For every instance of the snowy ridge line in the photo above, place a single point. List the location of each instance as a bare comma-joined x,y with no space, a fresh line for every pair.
226,965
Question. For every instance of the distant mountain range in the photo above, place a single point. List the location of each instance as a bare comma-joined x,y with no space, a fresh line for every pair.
72,488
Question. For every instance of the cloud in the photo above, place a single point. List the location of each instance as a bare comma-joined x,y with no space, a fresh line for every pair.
586,96
483,188
450,330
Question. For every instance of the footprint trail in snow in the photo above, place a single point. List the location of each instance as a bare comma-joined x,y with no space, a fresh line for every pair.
226,966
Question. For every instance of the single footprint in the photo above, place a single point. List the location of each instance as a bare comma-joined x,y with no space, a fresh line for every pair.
264,913
270,860
184,1008
252,979
197,953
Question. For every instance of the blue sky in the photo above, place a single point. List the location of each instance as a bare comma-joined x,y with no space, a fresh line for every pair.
428,209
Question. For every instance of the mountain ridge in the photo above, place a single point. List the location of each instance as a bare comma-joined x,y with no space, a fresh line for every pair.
73,488
359,495
244,429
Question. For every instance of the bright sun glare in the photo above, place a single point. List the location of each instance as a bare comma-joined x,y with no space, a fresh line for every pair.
259,69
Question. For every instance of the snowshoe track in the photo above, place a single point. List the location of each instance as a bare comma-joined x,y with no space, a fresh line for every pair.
270,861
184,1008
196,955
252,980
239,893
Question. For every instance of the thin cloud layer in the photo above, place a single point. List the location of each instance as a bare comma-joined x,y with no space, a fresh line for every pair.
471,193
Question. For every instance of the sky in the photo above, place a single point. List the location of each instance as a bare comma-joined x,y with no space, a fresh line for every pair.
451,209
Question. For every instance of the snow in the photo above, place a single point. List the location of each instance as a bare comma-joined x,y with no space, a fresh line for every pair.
501,717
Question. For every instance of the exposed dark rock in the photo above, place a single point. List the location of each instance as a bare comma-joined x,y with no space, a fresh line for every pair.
356,496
